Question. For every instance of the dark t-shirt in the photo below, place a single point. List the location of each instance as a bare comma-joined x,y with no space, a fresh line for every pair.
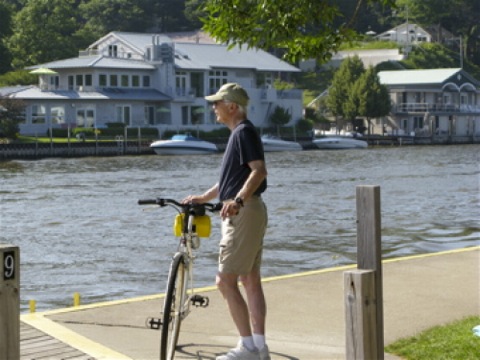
244,145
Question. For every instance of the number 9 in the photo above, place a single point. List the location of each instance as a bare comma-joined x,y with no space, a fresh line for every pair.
9,266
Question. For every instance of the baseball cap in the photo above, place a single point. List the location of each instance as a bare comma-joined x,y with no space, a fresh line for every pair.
230,92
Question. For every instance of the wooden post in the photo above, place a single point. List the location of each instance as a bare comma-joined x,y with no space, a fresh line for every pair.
369,249
9,302
360,315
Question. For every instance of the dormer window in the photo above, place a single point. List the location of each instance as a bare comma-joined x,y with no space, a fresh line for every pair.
112,50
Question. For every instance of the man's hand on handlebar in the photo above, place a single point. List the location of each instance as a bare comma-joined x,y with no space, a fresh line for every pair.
193,199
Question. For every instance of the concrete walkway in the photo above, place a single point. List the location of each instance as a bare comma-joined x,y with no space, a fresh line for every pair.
305,313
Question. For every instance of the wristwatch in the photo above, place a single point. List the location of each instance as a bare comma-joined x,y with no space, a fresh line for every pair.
239,201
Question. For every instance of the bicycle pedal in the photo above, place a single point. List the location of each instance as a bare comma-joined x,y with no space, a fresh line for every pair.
153,323
199,301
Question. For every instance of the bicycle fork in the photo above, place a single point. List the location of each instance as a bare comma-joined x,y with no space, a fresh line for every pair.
196,300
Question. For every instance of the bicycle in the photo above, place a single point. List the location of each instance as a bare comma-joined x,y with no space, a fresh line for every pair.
191,223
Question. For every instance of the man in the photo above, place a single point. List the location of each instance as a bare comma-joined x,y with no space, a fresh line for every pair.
244,220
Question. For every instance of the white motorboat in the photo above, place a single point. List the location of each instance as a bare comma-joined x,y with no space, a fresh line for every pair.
273,143
340,142
183,144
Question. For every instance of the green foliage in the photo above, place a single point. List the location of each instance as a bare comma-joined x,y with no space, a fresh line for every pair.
452,341
283,85
10,115
369,45
342,86
280,116
304,125
19,77
373,97
104,133
44,30
304,30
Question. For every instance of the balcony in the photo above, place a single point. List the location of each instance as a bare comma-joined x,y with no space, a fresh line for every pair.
421,108
105,53
271,94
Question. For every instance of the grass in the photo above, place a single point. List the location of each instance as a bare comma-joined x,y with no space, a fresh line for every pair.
455,341
59,140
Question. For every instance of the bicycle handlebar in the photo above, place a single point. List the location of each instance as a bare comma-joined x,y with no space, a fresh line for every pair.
185,207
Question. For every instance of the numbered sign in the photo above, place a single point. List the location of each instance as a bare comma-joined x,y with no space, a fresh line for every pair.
9,265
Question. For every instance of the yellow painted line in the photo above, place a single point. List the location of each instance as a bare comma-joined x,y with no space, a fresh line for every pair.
272,278
352,266
421,256
71,338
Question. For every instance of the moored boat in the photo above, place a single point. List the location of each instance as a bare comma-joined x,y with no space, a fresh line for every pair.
272,143
340,142
183,144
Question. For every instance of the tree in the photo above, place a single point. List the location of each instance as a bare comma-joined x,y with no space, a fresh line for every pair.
5,32
340,101
10,114
104,16
373,97
280,117
45,30
304,29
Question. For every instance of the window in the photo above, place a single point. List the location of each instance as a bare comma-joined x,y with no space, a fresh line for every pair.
85,117
135,81
112,50
57,114
264,80
149,115
39,114
146,81
88,80
113,80
418,122
124,80
197,84
71,82
54,82
217,79
79,80
181,83
185,112
123,114
102,80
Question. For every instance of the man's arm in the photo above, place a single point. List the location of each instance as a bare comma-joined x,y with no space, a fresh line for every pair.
207,196
254,180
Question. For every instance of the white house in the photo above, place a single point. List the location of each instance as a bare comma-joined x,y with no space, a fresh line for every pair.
406,33
152,80
432,102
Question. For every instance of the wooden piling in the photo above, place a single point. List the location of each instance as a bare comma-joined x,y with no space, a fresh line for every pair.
10,302
364,288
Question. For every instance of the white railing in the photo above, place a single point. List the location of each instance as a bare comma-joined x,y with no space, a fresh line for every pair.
427,107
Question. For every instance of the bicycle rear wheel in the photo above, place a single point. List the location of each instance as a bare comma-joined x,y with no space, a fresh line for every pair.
172,307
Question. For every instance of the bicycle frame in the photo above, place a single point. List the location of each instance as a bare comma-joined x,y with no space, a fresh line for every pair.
180,292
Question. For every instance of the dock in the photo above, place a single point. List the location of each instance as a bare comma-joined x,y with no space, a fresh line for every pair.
305,314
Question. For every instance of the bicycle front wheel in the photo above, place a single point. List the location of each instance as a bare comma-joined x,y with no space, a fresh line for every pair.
173,307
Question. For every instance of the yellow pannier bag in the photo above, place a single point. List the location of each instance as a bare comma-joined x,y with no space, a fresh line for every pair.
202,225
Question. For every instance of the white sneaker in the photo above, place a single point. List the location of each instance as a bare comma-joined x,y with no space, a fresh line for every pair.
264,353
240,352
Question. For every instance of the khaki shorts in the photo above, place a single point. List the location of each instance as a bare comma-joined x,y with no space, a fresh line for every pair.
242,238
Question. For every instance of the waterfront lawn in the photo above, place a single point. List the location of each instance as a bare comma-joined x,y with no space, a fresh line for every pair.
57,140
453,341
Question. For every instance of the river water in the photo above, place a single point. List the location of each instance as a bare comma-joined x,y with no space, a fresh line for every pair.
79,227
